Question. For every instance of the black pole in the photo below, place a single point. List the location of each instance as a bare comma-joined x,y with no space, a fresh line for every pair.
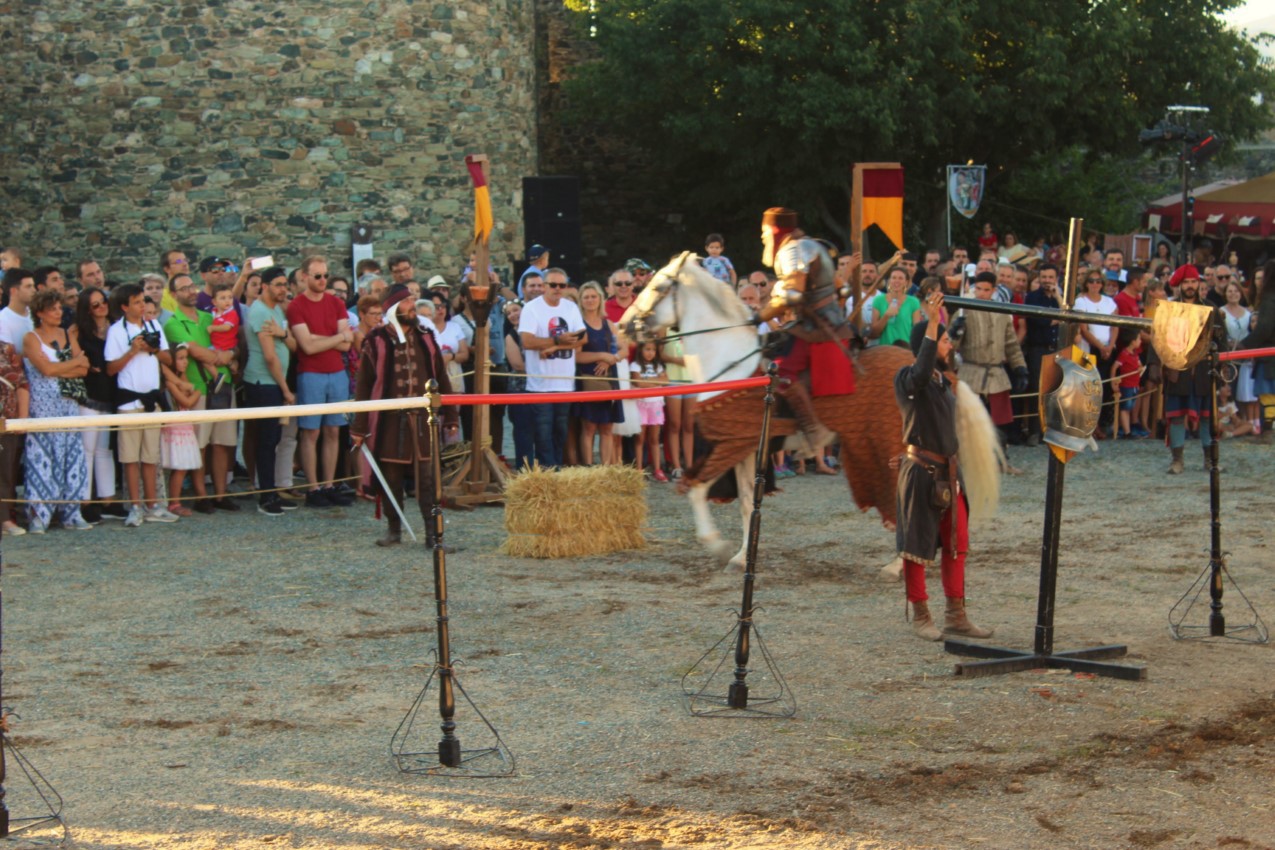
449,746
737,696
1139,322
4,809
1217,620
1049,556
1184,246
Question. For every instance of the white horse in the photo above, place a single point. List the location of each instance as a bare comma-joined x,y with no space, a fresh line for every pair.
721,343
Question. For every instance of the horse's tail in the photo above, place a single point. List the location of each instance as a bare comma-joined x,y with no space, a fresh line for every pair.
981,456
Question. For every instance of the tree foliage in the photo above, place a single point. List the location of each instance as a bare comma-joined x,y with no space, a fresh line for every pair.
749,103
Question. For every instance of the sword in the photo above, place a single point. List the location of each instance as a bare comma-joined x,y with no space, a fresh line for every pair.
376,470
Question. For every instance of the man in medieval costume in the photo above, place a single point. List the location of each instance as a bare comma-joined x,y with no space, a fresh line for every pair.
398,360
1186,392
933,511
806,286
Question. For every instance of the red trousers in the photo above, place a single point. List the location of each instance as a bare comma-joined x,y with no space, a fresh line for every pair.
951,564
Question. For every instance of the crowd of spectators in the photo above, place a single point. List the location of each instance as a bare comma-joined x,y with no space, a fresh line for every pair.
231,333
1106,284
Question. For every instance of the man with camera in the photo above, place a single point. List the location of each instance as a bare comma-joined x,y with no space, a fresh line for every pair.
552,331
133,346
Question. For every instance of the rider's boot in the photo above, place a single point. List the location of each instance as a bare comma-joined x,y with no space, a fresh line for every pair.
803,407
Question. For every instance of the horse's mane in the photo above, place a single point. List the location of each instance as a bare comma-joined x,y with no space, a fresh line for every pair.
718,292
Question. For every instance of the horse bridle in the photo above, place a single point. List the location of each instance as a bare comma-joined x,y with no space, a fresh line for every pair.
662,290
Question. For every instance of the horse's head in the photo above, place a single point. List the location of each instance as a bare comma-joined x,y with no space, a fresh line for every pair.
652,310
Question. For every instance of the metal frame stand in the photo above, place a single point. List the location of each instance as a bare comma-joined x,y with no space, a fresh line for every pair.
1253,630
778,700
40,828
1005,660
448,757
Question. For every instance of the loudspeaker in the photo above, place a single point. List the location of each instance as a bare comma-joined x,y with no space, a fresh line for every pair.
551,217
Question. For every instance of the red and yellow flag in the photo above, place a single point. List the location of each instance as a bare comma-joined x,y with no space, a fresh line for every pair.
883,202
482,199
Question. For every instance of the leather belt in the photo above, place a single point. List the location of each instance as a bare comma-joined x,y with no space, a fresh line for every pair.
932,461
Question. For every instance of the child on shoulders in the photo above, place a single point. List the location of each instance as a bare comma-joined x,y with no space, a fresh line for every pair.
715,263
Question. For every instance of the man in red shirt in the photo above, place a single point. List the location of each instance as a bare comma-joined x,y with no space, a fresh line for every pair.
621,283
321,325
1129,300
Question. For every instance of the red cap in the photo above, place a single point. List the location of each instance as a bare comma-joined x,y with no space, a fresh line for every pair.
1187,272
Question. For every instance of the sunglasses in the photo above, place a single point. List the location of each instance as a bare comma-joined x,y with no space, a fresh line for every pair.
624,283
557,286
319,276
1224,277
96,304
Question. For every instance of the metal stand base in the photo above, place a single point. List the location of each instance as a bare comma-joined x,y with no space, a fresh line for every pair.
1005,660
41,829
1252,631
765,695
414,751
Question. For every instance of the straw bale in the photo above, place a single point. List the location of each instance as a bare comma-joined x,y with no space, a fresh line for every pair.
574,512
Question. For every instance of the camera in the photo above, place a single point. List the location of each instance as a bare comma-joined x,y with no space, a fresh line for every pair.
151,338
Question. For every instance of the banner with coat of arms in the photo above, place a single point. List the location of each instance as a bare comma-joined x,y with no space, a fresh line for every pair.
965,187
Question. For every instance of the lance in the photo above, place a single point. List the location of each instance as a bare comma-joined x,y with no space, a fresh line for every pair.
1139,322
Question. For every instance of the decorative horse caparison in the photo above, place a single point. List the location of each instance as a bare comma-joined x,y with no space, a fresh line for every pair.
721,343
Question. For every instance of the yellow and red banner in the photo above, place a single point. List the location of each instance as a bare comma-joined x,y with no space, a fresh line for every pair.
482,198
883,202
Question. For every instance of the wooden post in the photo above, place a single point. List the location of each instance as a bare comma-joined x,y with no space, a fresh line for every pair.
481,478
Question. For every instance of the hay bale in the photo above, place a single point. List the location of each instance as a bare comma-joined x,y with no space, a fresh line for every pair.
577,511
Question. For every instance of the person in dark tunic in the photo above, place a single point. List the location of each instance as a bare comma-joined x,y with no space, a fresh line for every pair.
397,361
932,510
1186,393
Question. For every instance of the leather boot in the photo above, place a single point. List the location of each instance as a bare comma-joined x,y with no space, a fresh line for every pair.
956,623
393,534
1179,465
803,408
923,623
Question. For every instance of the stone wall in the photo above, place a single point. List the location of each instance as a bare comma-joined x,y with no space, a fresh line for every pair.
236,127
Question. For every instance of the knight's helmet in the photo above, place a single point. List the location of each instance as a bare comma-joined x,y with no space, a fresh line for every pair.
1070,402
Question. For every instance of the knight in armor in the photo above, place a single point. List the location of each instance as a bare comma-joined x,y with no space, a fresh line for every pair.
807,288
932,509
1186,392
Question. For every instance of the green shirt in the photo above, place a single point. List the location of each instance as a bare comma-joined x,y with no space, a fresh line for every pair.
182,329
900,327
256,372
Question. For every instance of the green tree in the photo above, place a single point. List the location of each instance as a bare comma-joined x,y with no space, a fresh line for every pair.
749,103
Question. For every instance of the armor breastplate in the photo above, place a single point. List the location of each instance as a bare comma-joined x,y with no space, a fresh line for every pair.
810,258
1070,411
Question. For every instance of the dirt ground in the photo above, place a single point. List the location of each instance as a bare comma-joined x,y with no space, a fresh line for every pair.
234,682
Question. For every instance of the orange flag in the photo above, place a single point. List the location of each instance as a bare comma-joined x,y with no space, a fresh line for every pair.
883,202
482,200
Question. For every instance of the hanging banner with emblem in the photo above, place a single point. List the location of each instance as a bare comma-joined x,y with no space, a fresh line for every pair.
965,187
